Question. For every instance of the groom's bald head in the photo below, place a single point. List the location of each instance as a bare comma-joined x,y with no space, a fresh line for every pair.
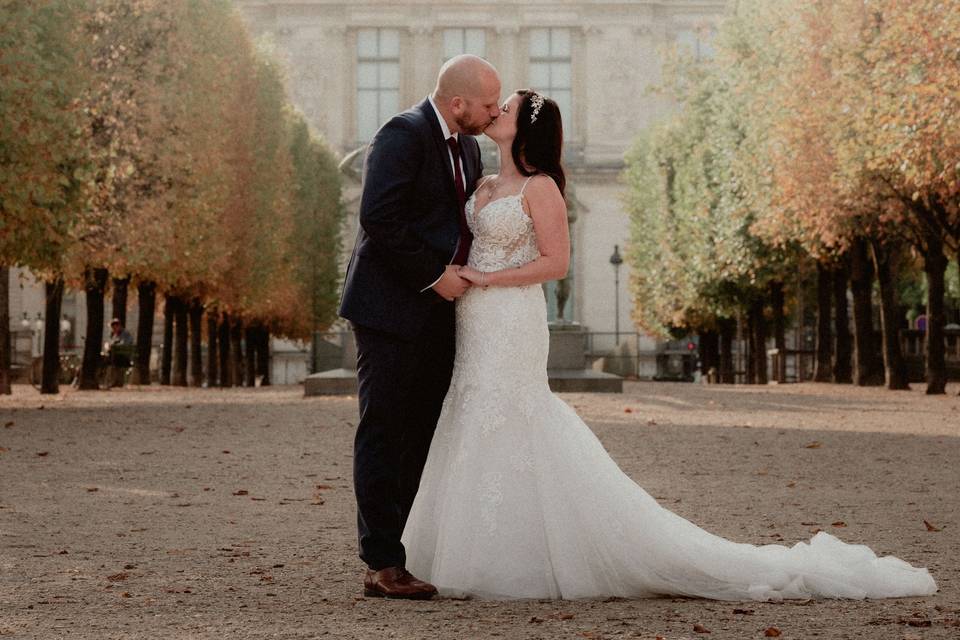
468,76
468,93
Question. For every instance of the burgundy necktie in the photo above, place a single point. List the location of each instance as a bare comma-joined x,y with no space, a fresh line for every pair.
466,238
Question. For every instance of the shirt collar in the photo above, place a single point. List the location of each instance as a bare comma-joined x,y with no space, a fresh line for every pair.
443,123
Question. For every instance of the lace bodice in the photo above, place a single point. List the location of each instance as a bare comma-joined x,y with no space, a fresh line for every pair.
503,234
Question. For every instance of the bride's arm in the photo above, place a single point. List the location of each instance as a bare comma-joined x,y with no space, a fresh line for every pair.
548,210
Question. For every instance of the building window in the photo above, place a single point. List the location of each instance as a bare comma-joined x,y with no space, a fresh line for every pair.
459,41
378,79
696,42
551,69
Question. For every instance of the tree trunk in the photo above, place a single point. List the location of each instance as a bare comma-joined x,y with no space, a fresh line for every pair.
823,368
196,343
728,329
226,367
180,342
50,378
236,351
758,341
777,303
751,360
263,356
95,285
212,354
710,355
251,336
885,259
119,303
6,356
868,369
146,305
935,265
166,363
842,365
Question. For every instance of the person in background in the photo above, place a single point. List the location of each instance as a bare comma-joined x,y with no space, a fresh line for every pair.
118,353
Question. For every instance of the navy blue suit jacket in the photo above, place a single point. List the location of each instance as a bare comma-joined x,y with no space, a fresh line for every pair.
409,222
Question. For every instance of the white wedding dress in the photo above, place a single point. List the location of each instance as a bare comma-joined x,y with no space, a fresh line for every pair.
519,499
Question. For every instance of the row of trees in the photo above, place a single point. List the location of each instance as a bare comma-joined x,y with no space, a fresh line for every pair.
823,139
149,144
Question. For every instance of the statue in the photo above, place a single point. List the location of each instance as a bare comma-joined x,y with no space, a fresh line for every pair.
562,292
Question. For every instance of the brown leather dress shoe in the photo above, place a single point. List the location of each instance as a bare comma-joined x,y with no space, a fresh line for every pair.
396,582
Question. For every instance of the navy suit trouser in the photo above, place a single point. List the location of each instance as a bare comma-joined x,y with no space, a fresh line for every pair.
402,384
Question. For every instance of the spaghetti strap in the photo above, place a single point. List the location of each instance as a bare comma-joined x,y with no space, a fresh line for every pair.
526,182
483,180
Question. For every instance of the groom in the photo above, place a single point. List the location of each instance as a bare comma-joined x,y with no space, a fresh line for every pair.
398,294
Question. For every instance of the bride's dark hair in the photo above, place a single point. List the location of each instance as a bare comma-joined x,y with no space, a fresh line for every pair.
538,146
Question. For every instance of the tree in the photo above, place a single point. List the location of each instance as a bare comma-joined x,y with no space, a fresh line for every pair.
44,158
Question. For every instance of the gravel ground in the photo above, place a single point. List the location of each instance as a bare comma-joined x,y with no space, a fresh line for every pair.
163,513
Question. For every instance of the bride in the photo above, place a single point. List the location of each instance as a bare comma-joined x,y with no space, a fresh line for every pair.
518,498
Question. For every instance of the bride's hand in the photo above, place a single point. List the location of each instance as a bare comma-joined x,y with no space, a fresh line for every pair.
474,276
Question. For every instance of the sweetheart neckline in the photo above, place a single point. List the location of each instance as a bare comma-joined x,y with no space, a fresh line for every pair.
480,210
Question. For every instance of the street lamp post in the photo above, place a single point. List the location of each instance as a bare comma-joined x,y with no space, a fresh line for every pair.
616,261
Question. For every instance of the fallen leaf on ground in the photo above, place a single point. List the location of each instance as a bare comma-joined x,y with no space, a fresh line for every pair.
930,527
535,620
117,577
915,622
699,628
628,410
241,492
772,632
743,612
8,424
838,523
43,453
813,445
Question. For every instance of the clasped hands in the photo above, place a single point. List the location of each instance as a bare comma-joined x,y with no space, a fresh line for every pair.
457,279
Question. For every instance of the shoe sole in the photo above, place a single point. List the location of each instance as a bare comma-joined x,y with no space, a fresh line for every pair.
370,593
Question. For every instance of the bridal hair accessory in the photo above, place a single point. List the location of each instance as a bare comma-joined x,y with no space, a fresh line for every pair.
537,101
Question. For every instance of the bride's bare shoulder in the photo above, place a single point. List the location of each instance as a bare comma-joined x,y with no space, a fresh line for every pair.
541,191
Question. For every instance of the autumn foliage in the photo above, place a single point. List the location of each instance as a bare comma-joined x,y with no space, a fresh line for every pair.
823,136
152,140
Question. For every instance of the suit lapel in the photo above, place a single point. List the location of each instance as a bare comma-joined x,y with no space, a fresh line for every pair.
440,143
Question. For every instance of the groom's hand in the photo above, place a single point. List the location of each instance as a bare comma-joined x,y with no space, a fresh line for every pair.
451,286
